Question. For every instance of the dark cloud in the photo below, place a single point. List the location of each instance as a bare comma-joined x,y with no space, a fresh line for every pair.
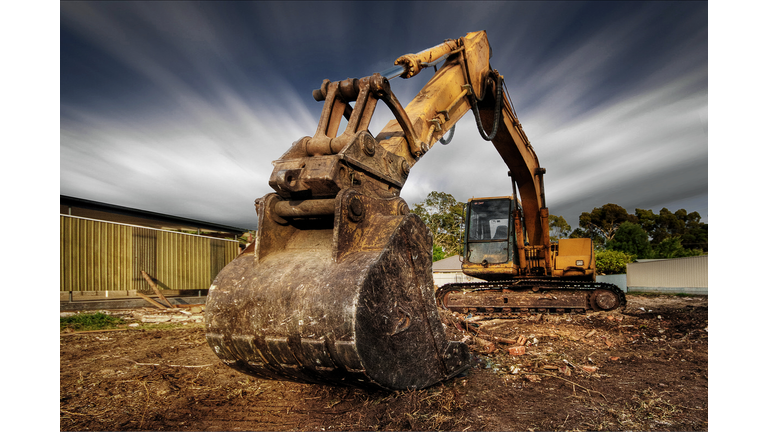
180,107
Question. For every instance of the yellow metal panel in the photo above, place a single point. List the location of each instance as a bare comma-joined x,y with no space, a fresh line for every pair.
106,256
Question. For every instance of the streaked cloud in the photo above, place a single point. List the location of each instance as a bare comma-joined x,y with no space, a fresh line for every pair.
180,107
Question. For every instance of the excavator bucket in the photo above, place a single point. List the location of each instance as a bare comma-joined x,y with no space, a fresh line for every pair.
336,291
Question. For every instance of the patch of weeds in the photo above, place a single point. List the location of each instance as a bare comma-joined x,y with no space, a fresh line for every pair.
89,321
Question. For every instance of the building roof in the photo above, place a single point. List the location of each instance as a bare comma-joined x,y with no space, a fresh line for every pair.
126,215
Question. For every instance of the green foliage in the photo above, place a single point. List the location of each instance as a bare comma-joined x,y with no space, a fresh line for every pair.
558,228
644,234
89,321
666,226
444,217
612,262
632,239
437,253
672,247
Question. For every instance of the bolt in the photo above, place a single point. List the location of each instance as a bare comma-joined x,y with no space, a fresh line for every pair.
369,144
404,167
356,209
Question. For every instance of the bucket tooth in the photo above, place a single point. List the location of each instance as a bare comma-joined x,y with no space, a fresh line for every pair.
348,303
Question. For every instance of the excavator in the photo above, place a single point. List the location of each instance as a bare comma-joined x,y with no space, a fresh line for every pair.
337,288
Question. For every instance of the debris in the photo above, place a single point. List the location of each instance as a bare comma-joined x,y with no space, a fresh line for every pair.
614,358
155,288
590,333
147,298
589,369
487,346
516,350
607,342
491,324
155,318
533,378
521,340
550,367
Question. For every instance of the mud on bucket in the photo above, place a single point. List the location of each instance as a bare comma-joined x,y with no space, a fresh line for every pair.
344,301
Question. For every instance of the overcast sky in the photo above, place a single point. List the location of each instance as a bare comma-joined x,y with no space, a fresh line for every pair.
180,108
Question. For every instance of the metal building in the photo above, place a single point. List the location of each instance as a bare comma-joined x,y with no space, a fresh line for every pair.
677,275
105,258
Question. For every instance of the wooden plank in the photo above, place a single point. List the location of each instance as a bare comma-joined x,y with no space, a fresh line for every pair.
157,290
159,305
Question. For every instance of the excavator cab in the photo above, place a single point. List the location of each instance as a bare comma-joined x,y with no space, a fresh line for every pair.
489,237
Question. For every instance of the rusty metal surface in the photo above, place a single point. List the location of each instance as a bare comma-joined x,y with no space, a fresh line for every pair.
345,303
515,301
545,296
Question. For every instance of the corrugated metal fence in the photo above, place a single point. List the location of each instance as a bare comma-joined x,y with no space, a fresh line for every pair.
106,256
678,275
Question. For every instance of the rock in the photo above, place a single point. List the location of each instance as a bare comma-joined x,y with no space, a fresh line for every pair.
533,378
487,346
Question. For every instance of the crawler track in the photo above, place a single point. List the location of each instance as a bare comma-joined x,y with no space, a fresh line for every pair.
530,295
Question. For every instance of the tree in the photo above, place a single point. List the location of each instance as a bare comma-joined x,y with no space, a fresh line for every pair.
632,239
558,228
444,217
605,220
672,247
667,226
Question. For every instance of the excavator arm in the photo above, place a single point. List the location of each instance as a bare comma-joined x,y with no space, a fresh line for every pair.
338,288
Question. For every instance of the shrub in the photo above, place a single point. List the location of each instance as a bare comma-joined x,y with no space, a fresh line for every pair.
612,262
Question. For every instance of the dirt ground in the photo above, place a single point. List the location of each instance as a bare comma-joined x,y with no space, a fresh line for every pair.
641,369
